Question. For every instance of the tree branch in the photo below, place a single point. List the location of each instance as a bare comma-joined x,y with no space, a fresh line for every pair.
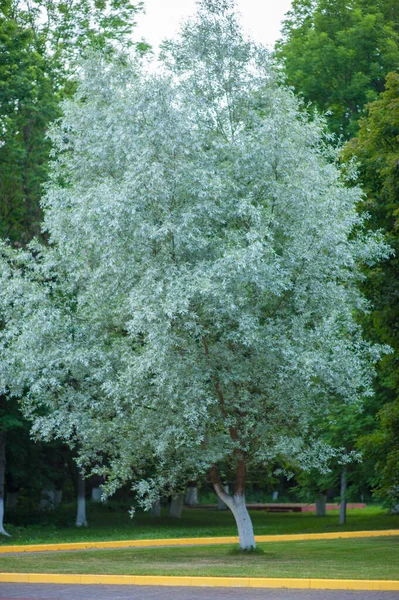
218,487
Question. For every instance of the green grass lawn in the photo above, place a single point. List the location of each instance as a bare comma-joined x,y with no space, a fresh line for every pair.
368,558
107,522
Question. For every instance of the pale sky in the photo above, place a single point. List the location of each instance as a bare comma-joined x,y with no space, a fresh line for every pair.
260,18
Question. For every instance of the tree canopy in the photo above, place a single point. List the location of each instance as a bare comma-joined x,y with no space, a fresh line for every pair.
377,150
195,307
337,54
29,101
40,42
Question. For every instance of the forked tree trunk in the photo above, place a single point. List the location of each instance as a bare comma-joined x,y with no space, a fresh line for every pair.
81,509
236,504
2,478
221,504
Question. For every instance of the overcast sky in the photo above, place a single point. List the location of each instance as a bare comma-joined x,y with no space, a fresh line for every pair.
260,18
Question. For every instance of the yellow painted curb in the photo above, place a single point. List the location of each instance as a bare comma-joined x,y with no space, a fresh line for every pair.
332,535
252,582
208,541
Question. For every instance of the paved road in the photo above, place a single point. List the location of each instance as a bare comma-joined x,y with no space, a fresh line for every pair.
33,591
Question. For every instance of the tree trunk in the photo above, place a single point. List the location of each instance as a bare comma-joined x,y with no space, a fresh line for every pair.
321,505
2,478
244,523
11,499
96,494
81,510
156,509
191,498
176,506
236,504
47,500
222,505
342,506
58,497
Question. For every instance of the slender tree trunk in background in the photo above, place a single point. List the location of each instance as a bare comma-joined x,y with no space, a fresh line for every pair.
176,506
236,504
191,498
47,500
321,505
11,499
96,494
156,509
342,506
2,478
81,510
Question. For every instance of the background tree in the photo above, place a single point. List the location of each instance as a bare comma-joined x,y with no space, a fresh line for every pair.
341,429
336,53
29,102
195,307
40,44
377,150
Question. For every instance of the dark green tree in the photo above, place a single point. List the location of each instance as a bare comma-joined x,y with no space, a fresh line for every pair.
337,53
377,150
39,44
29,100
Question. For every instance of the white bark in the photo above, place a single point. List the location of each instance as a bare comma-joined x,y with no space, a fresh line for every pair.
81,520
58,497
222,505
238,507
191,496
275,496
156,509
244,523
2,478
176,506
342,506
96,494
321,505
2,530
47,500
81,512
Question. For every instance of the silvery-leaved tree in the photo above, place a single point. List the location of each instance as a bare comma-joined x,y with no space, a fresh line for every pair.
196,305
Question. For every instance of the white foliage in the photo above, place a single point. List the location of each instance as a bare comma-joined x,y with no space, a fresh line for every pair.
202,270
